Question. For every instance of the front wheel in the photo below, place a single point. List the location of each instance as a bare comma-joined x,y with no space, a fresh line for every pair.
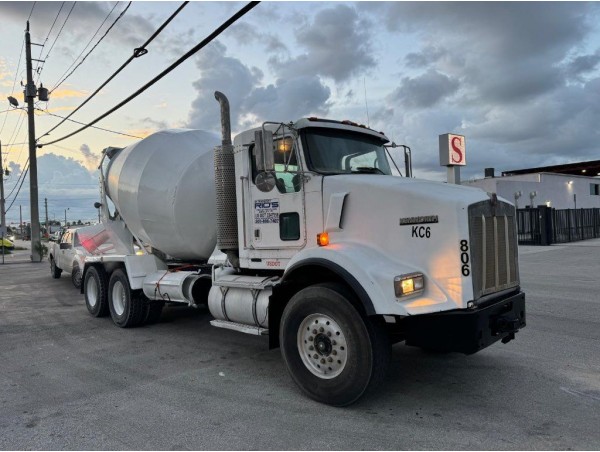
333,353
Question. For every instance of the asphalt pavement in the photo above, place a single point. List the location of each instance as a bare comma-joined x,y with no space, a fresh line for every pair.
71,381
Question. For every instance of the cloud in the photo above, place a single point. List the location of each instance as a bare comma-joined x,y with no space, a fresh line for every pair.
503,52
250,102
65,182
500,73
85,18
583,65
246,34
90,160
425,90
219,73
426,56
337,43
63,93
288,99
61,108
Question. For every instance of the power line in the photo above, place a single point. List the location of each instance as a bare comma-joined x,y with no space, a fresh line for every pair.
60,31
22,175
40,65
87,45
136,53
31,12
14,136
187,55
17,129
15,198
95,45
82,123
15,81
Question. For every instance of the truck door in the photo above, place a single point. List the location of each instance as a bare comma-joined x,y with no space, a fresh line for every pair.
276,218
66,245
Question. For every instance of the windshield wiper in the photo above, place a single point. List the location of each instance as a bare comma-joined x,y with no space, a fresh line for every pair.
368,170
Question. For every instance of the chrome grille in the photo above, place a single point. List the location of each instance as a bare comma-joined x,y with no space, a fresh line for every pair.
493,247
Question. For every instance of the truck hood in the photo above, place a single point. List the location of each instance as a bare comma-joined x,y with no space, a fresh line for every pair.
409,223
408,188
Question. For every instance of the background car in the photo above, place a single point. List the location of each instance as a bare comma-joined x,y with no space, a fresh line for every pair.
8,245
67,254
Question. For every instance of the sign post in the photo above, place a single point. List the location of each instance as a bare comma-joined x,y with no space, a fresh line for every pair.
452,155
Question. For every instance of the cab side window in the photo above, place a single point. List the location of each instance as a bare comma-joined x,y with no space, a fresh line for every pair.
284,155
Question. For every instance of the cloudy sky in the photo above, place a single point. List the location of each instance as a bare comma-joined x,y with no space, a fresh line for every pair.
520,80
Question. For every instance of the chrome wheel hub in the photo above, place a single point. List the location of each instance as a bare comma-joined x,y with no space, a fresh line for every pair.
322,346
92,292
118,297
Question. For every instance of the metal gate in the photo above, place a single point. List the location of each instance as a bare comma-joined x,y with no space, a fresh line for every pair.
557,226
528,227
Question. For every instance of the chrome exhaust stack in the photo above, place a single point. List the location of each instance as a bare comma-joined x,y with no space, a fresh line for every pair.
227,223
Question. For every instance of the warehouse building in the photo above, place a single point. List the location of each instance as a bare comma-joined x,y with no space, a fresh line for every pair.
567,186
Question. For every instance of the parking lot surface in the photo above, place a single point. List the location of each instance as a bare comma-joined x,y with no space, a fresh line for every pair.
71,381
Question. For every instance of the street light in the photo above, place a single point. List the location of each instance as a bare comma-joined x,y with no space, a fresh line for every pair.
14,102
66,216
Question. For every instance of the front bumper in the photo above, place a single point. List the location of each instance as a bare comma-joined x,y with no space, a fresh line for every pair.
467,330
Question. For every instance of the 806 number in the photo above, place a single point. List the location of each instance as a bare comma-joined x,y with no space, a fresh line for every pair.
464,257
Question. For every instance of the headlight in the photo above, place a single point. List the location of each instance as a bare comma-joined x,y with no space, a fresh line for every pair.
409,284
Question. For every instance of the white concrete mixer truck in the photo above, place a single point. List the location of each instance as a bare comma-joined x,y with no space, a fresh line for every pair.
300,232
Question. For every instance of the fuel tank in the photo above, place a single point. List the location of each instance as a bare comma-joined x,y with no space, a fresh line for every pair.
163,188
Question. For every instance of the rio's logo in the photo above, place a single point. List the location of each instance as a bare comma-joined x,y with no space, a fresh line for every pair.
266,204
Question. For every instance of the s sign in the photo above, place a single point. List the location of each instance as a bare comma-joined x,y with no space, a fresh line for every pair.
452,150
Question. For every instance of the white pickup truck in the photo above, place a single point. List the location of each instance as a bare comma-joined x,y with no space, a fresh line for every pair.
67,254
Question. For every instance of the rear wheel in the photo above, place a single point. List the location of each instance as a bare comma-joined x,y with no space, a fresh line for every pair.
333,353
126,306
54,270
94,290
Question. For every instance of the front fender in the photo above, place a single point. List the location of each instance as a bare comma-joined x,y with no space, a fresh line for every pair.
374,271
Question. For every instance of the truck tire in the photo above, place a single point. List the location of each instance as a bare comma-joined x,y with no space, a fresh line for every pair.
126,305
54,270
76,276
94,290
333,352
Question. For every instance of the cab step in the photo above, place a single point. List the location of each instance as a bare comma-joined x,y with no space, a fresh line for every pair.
241,327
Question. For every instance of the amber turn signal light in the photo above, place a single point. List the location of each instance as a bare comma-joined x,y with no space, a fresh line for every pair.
323,239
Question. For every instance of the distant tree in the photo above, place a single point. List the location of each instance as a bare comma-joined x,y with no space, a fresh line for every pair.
79,223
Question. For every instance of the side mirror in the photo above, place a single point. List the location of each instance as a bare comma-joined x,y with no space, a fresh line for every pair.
65,246
265,181
263,150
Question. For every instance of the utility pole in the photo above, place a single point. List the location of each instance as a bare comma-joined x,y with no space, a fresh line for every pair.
30,94
46,206
2,206
2,210
21,221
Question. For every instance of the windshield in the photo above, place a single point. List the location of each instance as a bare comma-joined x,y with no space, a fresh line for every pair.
334,151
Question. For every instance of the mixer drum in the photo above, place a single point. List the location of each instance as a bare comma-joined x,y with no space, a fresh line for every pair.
163,187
